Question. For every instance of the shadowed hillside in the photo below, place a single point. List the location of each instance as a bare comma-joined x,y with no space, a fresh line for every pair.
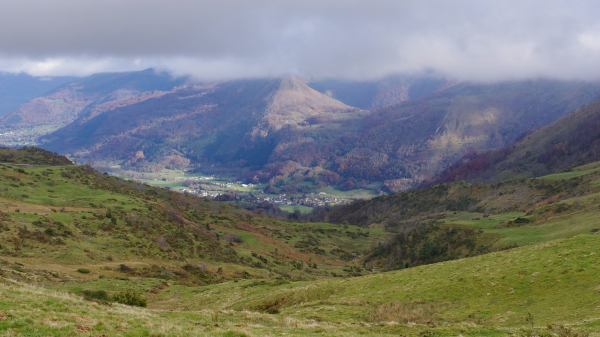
421,137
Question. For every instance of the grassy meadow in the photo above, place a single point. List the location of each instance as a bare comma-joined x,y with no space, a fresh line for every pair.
75,242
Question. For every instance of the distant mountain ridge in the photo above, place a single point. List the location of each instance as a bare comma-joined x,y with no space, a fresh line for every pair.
88,96
16,89
280,131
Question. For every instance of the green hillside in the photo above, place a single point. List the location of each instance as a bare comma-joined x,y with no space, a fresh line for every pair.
63,218
32,156
457,220
491,295
105,256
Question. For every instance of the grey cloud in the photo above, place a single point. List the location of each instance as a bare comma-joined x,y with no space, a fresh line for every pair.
477,40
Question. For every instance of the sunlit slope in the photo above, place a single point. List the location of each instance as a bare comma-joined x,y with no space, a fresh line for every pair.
569,142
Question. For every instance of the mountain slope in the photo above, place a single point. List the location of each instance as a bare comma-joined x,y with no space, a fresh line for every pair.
86,240
281,132
421,137
85,98
233,121
32,156
16,89
493,295
571,141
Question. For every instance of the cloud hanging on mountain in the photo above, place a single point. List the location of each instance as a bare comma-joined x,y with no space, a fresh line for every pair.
477,40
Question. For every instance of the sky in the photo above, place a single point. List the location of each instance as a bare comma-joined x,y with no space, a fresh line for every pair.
476,40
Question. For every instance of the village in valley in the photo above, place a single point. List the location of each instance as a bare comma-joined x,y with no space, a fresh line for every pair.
228,189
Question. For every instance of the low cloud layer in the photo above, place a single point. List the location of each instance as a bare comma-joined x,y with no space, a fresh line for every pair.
475,40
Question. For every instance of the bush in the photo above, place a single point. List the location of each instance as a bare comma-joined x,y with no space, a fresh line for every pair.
233,238
130,298
83,270
96,294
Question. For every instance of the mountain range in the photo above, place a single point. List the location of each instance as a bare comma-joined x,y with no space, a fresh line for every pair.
281,131
516,241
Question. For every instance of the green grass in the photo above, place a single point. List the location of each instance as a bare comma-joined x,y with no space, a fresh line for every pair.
575,172
358,193
563,227
40,312
300,270
293,208
478,220
73,231
556,282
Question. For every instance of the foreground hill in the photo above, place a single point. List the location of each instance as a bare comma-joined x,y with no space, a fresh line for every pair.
457,220
554,283
32,156
88,241
571,141
64,218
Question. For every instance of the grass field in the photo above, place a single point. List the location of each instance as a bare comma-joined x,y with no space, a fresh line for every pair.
210,268
489,295
292,209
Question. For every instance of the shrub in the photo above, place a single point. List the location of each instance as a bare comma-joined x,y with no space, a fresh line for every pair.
233,238
272,311
83,270
96,294
50,231
130,297
522,220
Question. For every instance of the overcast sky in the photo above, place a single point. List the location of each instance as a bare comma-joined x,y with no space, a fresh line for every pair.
220,39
